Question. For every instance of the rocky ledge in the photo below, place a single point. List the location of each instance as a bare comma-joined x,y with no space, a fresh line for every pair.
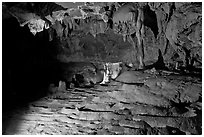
148,103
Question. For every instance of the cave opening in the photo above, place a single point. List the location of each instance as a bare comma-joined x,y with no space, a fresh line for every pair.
150,20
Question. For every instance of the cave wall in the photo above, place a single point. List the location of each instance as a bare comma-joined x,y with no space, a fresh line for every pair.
184,32
107,47
172,28
176,33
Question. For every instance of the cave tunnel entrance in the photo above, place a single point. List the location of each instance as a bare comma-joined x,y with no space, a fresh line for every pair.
25,60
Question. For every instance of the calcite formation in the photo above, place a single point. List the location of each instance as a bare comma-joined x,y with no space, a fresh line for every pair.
111,71
172,28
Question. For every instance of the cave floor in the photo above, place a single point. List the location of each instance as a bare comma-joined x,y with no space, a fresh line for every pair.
162,105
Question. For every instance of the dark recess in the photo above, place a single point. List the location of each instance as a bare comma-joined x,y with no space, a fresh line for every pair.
150,20
26,64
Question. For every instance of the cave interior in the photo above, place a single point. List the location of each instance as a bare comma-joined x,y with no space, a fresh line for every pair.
72,68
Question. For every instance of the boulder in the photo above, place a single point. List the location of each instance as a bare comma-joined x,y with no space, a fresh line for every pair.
134,94
132,77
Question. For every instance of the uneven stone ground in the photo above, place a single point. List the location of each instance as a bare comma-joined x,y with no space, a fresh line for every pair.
161,104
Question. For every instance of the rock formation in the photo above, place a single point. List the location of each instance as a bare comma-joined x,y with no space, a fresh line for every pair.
56,55
82,30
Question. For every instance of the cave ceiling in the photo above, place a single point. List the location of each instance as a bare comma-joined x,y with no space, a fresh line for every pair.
174,29
39,16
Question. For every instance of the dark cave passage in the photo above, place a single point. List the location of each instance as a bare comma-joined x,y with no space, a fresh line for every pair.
150,20
26,63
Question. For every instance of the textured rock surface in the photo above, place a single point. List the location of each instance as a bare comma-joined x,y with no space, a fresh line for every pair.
78,73
118,108
150,101
86,34
133,77
184,32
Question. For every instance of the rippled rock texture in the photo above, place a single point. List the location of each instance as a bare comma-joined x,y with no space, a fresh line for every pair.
158,105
